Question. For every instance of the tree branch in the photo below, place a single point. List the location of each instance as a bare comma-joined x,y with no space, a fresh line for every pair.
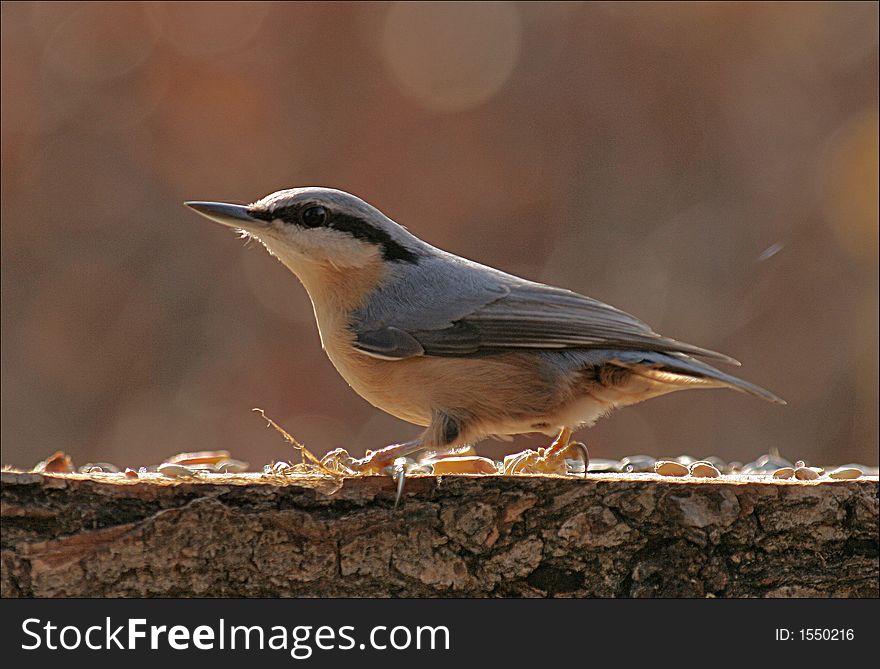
604,536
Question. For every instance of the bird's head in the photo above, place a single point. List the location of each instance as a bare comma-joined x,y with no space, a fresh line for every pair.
313,228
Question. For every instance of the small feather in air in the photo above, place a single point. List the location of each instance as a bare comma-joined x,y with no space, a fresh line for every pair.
771,251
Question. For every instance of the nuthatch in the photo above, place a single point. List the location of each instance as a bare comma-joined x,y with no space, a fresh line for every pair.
460,348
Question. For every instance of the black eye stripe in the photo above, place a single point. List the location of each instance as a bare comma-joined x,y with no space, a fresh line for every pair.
343,222
286,214
264,214
360,229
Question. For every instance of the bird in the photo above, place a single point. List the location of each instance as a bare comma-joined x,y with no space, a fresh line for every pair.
461,349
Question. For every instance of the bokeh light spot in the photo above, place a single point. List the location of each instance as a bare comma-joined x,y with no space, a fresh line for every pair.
849,174
451,57
196,30
99,41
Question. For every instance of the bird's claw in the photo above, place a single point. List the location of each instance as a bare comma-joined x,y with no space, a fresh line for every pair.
400,469
572,459
398,473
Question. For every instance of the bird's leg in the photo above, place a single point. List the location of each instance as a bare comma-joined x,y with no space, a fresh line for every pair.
551,460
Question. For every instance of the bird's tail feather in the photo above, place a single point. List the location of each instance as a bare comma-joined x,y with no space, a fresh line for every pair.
677,369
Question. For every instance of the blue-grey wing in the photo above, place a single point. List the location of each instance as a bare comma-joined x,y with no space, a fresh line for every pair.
459,308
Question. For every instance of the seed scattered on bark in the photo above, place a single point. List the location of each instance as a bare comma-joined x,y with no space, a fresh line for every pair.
174,470
99,468
806,473
670,468
845,473
705,470
766,463
637,463
783,473
199,458
230,466
57,463
468,464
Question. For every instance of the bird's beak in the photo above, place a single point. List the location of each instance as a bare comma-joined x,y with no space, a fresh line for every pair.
231,215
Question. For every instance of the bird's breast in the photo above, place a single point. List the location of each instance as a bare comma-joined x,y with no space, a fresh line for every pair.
394,386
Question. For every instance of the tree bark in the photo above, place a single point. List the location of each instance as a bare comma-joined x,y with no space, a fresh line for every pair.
603,536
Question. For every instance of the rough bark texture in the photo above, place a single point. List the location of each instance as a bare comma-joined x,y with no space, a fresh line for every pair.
606,536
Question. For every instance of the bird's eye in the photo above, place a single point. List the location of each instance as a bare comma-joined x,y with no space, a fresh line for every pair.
313,217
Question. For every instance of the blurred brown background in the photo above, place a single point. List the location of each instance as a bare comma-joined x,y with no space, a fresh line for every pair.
710,168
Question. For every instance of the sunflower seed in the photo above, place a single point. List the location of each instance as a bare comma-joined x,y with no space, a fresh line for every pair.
468,464
845,473
806,473
670,468
98,468
704,470
230,466
637,463
173,470
765,464
57,463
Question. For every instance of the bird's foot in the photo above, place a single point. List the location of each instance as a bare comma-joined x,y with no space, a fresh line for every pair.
374,463
560,458
340,462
